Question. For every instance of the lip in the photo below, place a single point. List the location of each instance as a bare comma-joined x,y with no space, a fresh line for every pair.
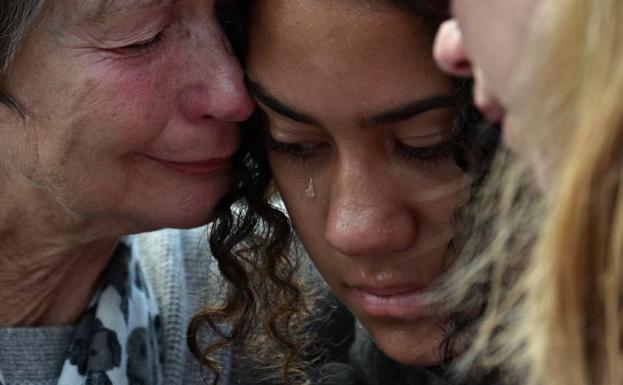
208,167
404,301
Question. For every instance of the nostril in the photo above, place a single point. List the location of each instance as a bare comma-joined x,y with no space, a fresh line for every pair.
463,67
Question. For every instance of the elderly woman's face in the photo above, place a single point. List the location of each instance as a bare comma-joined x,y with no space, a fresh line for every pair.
131,111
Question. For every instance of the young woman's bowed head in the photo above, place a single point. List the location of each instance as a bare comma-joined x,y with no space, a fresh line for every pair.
374,151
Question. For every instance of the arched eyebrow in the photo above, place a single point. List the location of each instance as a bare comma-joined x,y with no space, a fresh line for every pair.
384,118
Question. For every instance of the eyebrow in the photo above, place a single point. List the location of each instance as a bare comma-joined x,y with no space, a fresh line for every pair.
261,94
385,118
408,111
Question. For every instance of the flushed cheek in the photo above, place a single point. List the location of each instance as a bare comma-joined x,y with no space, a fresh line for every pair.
128,109
101,129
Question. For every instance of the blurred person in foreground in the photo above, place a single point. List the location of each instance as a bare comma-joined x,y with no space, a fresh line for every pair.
550,73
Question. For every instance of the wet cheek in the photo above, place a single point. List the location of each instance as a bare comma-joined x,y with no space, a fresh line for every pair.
298,200
305,196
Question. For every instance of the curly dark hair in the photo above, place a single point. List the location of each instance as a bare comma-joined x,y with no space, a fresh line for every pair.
252,238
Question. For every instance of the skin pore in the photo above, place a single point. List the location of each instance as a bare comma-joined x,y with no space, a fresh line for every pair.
131,113
361,155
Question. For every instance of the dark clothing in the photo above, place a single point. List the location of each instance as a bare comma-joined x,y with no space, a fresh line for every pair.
347,355
352,358
373,367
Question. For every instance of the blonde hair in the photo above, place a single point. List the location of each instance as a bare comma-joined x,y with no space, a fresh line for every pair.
553,315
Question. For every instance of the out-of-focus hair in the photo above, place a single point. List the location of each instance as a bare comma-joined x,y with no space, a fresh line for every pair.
17,18
553,258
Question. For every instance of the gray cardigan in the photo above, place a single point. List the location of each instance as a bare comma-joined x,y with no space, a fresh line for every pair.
183,277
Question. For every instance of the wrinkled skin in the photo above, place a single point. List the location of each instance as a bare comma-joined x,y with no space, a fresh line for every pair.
101,105
131,113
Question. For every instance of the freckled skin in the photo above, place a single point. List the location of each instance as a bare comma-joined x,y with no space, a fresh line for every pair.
96,111
375,216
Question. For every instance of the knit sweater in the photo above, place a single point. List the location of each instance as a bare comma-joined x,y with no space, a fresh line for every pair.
183,276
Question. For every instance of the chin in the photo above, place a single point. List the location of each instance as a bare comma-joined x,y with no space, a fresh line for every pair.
414,354
411,344
189,216
189,221
182,209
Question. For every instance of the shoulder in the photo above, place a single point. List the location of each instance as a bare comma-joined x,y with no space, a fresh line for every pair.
183,243
180,246
184,278
183,256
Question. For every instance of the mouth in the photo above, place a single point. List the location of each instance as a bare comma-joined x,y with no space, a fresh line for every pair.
208,167
404,301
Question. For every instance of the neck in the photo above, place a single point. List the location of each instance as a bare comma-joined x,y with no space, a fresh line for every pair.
50,260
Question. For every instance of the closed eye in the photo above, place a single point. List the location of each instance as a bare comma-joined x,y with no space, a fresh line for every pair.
302,151
430,154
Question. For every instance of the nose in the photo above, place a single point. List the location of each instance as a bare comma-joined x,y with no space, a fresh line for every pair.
367,215
215,86
229,97
449,51
224,97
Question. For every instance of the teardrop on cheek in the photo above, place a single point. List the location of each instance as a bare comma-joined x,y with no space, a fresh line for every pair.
309,191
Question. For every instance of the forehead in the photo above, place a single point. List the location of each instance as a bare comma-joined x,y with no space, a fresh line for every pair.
323,35
99,10
317,56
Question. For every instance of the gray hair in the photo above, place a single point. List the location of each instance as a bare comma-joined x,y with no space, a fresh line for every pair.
17,18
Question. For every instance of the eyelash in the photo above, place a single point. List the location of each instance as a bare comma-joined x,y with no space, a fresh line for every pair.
430,154
306,151
146,46
302,151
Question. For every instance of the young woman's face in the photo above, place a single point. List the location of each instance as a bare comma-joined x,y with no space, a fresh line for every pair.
487,39
359,124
